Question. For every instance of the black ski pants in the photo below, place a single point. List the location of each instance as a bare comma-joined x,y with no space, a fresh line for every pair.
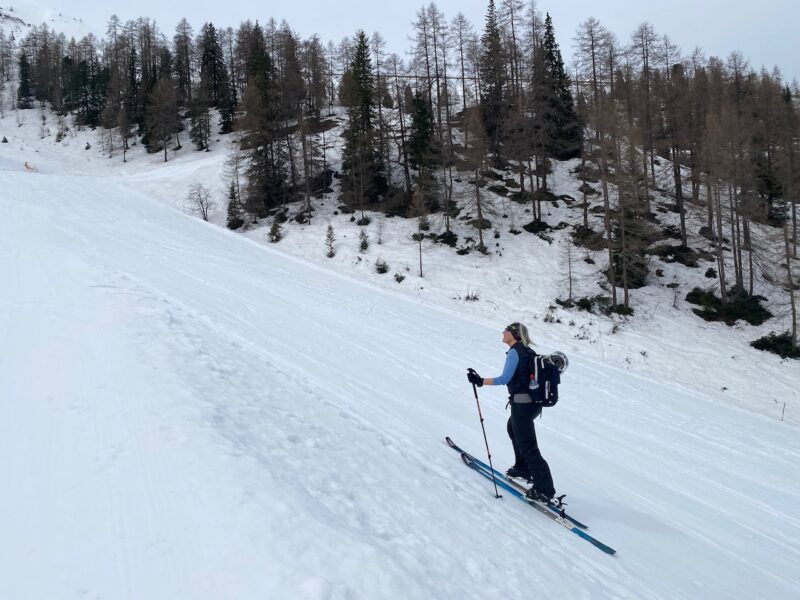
526,451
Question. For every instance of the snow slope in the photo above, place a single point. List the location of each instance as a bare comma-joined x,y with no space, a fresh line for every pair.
187,414
20,16
517,280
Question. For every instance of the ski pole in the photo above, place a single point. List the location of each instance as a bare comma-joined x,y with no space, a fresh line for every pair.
485,440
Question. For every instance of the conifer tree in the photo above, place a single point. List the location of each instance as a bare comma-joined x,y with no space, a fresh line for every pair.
329,239
421,133
493,82
215,85
562,127
200,131
361,159
265,180
235,219
24,90
275,233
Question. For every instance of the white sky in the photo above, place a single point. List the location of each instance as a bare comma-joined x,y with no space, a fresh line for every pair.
762,31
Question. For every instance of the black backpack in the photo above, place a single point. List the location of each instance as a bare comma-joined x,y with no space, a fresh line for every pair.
545,371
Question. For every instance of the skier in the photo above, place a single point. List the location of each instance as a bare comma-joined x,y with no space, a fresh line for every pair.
529,463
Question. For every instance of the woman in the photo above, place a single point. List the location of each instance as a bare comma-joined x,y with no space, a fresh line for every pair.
529,463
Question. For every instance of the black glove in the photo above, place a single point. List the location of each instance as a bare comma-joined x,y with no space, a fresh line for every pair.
474,378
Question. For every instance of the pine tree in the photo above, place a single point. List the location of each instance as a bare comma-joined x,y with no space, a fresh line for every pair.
235,219
329,239
563,129
132,97
493,82
275,233
360,159
213,73
200,130
261,128
420,136
24,90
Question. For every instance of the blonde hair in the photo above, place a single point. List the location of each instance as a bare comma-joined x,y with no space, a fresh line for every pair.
521,333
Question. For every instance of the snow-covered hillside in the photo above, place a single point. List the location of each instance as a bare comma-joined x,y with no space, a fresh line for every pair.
188,413
518,279
19,17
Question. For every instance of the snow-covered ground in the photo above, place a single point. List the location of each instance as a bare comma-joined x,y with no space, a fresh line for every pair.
187,412
20,16
518,280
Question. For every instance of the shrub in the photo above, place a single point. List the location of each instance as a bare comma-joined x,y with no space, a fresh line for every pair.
536,226
568,303
448,237
587,303
739,306
480,223
329,239
621,309
780,344
381,266
399,278
681,254
592,240
363,240
275,233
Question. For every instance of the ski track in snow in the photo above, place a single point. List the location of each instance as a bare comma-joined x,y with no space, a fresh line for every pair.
186,413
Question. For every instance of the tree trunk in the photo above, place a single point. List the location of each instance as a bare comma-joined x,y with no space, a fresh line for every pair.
623,213
791,284
735,241
480,208
583,187
306,165
607,220
401,118
676,170
723,286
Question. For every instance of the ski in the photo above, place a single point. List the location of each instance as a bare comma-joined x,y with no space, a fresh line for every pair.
519,487
471,462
